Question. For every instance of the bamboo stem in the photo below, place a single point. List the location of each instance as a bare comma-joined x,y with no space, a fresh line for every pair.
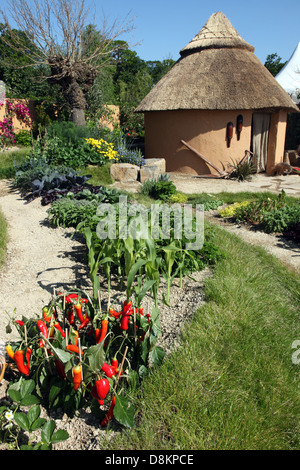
99,301
120,368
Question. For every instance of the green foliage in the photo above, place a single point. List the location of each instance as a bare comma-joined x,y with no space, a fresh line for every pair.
274,64
163,256
66,212
178,198
36,175
67,132
162,188
71,210
9,160
147,187
16,424
271,215
234,209
242,171
23,138
208,201
280,220
72,154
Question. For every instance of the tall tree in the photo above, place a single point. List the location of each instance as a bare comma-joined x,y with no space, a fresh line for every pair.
55,29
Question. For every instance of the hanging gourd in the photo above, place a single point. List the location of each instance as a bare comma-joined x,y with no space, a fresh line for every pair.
229,133
239,126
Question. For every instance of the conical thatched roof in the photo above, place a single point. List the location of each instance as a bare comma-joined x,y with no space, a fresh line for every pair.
217,71
217,32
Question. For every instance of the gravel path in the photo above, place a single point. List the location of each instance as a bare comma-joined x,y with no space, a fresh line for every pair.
38,260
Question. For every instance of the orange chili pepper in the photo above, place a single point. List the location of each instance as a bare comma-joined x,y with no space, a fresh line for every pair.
73,348
77,376
10,351
103,330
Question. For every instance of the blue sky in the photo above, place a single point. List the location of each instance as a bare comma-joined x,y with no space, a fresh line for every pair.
163,27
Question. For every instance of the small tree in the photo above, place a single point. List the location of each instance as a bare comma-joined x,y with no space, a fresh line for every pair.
54,29
273,64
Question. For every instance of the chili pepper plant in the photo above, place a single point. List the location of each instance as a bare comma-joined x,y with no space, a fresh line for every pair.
80,354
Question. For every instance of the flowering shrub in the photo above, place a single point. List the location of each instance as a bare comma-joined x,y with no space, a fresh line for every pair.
106,149
6,132
21,111
231,210
130,156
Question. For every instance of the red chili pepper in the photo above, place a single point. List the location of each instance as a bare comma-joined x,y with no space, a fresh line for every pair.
84,323
108,370
19,322
42,327
19,359
114,314
71,316
110,414
70,297
127,306
102,387
28,355
77,376
127,311
78,308
59,328
60,369
114,363
103,330
124,322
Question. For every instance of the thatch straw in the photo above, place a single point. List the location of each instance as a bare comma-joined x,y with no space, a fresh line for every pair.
217,71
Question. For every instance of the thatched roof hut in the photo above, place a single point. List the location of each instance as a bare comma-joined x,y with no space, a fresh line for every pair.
217,72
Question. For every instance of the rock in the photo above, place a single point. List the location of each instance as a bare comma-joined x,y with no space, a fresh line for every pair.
149,173
124,171
153,168
159,162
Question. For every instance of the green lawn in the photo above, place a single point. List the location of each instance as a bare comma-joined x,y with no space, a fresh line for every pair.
7,160
231,198
232,384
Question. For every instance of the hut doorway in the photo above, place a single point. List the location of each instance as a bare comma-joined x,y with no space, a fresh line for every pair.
260,140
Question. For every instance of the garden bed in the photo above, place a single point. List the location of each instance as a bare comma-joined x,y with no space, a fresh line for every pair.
85,432
285,250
